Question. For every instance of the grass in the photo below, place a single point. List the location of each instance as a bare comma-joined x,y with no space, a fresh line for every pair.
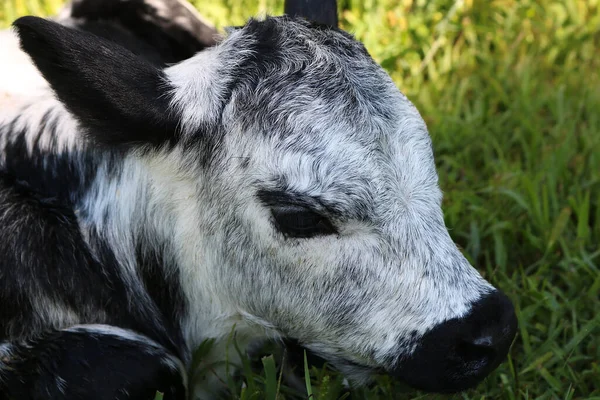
510,90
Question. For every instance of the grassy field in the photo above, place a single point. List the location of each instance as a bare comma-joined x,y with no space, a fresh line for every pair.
510,90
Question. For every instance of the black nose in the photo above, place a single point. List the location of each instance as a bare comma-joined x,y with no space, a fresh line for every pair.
490,326
459,353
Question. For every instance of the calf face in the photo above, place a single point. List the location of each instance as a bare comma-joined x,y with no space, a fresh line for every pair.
296,191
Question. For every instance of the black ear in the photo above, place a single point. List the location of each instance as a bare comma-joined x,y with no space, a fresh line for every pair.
318,11
118,97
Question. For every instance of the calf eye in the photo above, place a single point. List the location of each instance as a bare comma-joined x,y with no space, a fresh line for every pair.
301,222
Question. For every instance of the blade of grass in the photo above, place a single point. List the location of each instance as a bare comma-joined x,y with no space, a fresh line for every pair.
309,390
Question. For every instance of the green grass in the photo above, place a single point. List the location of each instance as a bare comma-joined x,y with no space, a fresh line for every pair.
511,93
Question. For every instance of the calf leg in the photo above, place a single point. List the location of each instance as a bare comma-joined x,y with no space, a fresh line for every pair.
89,362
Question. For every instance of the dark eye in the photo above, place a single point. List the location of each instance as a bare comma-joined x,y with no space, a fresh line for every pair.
301,222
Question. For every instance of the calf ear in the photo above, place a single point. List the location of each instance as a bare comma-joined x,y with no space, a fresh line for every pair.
118,97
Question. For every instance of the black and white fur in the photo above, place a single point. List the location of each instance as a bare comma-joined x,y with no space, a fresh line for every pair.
277,184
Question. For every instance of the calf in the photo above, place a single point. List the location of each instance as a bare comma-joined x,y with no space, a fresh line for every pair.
277,183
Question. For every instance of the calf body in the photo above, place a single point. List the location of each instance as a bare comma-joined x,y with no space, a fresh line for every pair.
277,183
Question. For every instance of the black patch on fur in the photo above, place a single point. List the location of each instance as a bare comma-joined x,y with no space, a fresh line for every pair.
80,365
162,282
130,310
44,262
64,177
120,98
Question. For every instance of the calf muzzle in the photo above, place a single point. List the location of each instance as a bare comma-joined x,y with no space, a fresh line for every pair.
459,353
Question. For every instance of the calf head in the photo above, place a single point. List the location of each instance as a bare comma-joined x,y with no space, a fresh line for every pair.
302,191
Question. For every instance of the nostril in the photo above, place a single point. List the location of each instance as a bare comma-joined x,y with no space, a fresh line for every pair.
478,348
484,341
490,327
